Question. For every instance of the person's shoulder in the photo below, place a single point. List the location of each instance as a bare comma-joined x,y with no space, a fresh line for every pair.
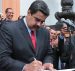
44,31
9,25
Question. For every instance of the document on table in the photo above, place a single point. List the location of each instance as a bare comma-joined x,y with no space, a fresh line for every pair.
67,70
63,70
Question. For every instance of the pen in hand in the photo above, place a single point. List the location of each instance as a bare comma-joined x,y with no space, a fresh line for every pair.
34,59
40,69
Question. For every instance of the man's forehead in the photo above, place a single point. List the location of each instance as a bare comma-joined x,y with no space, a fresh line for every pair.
40,15
10,10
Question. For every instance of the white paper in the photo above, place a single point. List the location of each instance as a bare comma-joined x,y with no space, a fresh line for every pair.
63,70
66,70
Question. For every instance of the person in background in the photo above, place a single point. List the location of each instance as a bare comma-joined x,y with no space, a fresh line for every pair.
58,32
43,25
48,28
68,50
1,19
20,17
53,35
9,14
25,45
62,42
57,42
54,45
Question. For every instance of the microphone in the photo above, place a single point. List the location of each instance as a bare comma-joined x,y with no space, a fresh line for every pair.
68,22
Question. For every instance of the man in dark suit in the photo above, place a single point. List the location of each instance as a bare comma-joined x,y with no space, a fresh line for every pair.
67,46
17,52
69,53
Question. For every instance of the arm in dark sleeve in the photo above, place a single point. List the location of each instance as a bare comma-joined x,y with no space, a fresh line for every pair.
6,50
66,51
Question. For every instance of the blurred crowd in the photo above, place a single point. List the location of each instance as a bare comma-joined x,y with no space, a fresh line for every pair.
61,43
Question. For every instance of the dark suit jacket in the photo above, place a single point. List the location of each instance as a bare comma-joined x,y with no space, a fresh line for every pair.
16,48
72,52
68,55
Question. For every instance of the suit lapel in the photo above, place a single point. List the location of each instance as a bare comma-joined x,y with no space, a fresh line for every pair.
26,34
39,38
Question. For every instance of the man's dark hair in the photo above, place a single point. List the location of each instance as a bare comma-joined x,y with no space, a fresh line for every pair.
59,25
7,10
39,6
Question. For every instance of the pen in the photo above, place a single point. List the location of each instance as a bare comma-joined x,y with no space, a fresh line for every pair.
34,58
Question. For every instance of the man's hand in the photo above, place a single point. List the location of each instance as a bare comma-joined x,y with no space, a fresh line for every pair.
48,66
33,66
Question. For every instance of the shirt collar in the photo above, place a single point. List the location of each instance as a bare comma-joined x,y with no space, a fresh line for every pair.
27,26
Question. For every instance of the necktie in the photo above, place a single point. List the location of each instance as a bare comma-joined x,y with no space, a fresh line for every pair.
33,38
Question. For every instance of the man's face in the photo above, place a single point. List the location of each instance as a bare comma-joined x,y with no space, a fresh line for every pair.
64,28
9,14
36,20
53,34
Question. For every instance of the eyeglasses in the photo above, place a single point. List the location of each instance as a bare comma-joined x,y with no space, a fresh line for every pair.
38,20
10,12
64,28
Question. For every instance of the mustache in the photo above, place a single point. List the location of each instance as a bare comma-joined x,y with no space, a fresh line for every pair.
36,26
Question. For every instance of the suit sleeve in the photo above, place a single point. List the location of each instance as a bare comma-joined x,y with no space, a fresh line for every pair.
6,51
49,52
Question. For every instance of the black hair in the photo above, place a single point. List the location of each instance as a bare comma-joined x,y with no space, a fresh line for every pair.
59,25
7,10
39,6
